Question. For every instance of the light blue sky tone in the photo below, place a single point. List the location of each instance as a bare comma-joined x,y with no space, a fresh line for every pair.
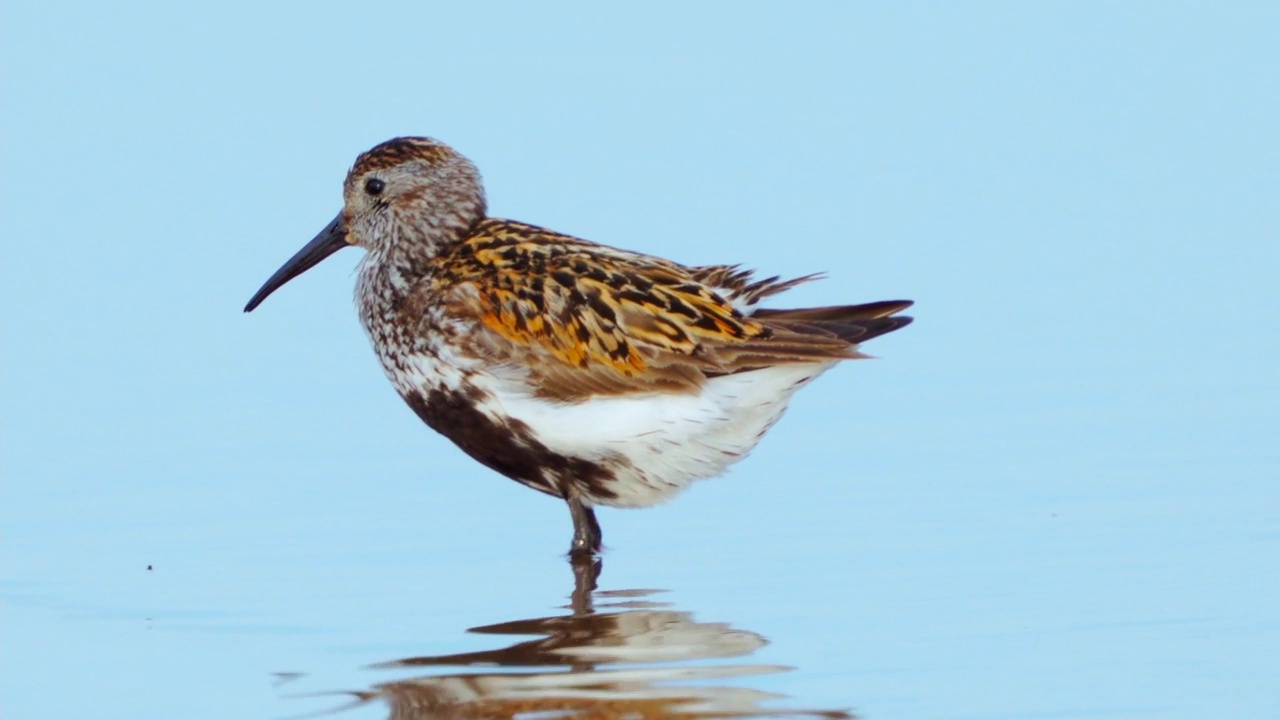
1055,495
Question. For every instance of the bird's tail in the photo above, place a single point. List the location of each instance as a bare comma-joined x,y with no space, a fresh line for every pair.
851,323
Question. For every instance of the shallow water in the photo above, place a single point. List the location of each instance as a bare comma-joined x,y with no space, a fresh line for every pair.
1054,496
919,589
612,654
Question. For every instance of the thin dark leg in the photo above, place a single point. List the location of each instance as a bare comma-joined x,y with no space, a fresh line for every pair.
586,530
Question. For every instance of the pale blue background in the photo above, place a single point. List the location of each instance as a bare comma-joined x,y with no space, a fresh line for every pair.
1055,496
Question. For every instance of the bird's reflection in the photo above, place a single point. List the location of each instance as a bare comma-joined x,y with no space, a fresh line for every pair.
617,654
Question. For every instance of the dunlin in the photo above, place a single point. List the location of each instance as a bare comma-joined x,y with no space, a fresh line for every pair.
597,375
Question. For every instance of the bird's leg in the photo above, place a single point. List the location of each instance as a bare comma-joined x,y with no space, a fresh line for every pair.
586,530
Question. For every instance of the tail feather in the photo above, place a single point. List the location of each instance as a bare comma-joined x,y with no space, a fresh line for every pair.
852,332
809,335
852,323
837,313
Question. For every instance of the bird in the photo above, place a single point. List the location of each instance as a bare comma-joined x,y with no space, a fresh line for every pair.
594,374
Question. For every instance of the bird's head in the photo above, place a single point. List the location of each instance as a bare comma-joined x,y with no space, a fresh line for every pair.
405,200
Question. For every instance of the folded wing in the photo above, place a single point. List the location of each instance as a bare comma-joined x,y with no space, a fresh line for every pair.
595,320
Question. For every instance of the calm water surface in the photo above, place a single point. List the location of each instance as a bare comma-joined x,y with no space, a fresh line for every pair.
612,654
1068,594
1056,496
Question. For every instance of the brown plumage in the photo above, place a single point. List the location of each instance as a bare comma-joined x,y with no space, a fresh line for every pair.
588,372
590,319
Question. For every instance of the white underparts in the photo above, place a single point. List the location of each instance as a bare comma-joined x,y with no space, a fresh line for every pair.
664,440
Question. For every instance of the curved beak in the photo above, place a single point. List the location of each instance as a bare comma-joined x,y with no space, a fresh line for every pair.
330,240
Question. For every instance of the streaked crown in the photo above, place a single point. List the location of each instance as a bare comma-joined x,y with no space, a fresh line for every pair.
396,151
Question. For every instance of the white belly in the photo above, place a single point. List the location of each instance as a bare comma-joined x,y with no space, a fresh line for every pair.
667,440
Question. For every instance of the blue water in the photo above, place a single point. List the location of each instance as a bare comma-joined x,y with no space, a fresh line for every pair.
991,565
1054,496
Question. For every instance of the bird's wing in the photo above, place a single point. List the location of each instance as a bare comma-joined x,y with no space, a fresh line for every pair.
741,288
588,319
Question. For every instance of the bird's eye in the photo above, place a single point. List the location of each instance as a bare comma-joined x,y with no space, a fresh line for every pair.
374,186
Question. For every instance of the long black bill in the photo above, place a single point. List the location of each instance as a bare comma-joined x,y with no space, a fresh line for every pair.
330,240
